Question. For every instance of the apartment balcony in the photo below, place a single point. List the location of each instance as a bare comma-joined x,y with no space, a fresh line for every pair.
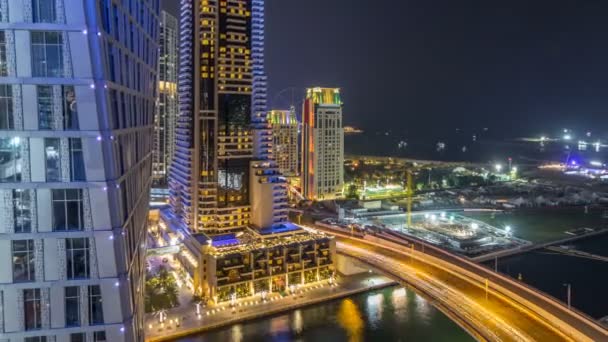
294,267
261,273
277,269
307,262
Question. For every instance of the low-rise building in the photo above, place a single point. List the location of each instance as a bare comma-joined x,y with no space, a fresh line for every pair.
254,261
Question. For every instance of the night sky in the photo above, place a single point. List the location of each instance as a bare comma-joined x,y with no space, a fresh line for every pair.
518,67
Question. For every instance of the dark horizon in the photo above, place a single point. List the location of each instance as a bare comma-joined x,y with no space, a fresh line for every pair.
428,66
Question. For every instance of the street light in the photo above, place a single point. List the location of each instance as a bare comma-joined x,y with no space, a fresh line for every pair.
508,230
233,299
498,167
162,316
487,286
569,294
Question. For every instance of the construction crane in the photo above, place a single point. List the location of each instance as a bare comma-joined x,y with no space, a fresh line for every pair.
410,194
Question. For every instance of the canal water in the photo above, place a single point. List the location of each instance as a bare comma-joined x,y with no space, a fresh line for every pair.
549,272
391,314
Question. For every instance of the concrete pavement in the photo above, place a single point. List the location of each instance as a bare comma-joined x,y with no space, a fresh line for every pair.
184,321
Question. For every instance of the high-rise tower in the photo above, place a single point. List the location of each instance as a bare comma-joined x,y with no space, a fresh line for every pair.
222,126
77,94
322,144
285,140
228,198
167,106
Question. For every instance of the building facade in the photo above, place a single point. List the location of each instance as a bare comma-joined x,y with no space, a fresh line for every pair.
77,97
222,133
285,140
167,105
322,176
228,198
254,262
210,177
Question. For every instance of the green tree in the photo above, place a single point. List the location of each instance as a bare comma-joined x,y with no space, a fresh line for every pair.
161,291
351,192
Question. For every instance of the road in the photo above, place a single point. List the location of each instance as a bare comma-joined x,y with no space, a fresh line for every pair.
511,312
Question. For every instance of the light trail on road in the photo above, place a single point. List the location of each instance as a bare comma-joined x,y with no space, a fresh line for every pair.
491,306
488,325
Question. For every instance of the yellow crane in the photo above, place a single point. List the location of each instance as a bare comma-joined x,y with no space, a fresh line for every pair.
410,195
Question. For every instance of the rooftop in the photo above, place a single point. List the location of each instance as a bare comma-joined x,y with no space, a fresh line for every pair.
279,229
282,117
224,240
251,240
324,96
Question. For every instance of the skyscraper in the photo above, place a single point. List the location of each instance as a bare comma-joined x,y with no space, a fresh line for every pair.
222,126
77,94
322,144
285,140
228,198
167,105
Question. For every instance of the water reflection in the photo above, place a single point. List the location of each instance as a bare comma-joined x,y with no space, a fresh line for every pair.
236,333
423,308
350,320
375,307
399,301
297,324
279,325
392,314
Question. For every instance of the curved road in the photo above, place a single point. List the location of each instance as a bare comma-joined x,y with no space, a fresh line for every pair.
508,311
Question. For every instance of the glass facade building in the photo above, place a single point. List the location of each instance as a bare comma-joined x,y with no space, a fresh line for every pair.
167,107
77,99
228,198
222,127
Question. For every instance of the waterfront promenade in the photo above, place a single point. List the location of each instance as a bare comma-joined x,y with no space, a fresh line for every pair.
184,321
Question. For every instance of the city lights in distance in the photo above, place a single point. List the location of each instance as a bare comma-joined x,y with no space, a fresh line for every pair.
596,163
